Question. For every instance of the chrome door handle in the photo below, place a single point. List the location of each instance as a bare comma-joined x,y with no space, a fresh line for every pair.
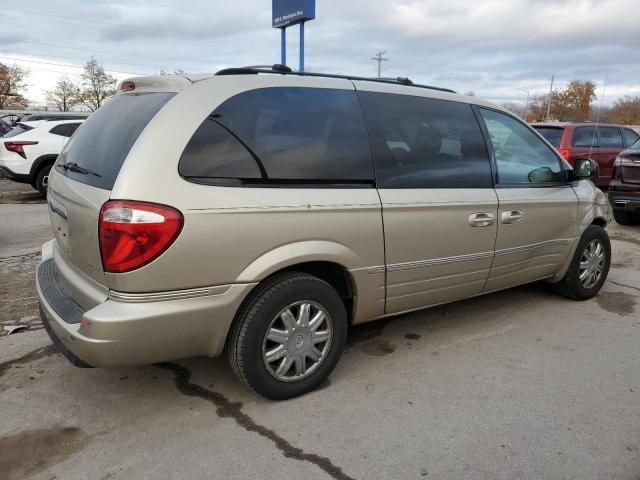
482,219
512,216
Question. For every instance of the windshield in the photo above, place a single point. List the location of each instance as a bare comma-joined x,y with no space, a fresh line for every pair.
636,144
553,135
102,143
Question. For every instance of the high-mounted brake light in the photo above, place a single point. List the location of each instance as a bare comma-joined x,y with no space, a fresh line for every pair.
132,234
564,153
17,147
127,86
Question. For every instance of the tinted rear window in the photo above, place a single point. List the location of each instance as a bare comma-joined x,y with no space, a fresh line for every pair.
103,142
293,135
552,135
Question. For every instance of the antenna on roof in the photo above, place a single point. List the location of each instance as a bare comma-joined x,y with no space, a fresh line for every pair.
604,89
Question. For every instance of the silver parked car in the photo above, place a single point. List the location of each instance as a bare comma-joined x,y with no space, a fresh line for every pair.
281,208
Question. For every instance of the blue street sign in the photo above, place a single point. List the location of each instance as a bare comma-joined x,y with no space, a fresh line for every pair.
290,12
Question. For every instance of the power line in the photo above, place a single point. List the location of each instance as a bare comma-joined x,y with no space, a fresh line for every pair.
63,65
378,58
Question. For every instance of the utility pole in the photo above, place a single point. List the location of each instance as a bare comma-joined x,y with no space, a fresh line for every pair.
549,102
379,58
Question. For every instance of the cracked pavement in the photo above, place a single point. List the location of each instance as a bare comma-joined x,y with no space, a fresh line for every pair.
517,384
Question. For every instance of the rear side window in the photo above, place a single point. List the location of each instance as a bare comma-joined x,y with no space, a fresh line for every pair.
293,135
104,141
610,137
18,130
584,137
551,134
64,130
425,143
630,136
213,152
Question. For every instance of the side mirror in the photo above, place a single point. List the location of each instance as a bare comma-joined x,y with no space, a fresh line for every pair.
585,169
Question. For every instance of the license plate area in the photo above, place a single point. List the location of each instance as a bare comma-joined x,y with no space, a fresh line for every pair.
59,223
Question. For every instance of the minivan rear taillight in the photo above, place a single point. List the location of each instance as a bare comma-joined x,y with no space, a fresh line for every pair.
132,234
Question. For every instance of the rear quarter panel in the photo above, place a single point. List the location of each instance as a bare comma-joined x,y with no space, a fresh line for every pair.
238,234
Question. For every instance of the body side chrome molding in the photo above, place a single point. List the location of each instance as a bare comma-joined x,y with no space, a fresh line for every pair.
475,256
438,261
167,296
533,246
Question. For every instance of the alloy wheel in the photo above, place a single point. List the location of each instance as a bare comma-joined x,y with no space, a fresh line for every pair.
592,263
297,341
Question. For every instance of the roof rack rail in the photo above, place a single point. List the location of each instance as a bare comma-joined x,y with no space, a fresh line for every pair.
275,68
284,70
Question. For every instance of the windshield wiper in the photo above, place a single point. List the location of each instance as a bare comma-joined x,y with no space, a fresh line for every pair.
74,167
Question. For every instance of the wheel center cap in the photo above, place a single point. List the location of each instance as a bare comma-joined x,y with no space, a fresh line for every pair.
298,340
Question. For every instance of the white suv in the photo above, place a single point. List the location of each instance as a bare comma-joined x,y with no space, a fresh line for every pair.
28,152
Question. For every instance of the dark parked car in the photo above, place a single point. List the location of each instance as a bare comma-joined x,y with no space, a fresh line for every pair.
624,190
584,140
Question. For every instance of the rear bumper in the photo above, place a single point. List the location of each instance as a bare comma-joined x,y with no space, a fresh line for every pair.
621,200
6,172
136,332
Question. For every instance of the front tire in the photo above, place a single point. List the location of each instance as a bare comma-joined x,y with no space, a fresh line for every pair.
42,180
288,336
589,266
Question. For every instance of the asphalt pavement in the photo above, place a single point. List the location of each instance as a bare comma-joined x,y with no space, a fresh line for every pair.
520,384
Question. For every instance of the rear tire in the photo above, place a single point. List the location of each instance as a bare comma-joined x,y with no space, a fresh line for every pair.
588,270
288,336
624,217
42,180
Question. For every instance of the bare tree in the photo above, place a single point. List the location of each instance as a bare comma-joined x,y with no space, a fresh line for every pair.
64,96
97,85
12,84
626,110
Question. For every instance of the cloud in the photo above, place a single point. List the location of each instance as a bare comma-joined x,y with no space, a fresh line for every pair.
493,47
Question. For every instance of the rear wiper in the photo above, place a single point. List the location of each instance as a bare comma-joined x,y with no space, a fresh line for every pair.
74,167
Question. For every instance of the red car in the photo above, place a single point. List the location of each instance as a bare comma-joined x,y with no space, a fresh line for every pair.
583,140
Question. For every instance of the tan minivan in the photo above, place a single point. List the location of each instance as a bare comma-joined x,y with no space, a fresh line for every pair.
262,211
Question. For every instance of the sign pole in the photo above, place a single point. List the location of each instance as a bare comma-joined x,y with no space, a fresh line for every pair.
283,46
286,13
301,47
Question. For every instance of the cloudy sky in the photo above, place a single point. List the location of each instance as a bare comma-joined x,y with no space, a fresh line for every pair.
497,48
